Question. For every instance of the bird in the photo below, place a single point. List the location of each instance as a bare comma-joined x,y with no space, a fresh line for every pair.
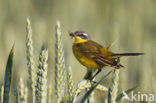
93,55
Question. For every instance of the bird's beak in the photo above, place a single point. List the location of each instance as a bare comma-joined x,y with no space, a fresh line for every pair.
71,34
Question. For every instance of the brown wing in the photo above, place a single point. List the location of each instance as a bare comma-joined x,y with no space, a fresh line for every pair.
96,52
103,60
90,47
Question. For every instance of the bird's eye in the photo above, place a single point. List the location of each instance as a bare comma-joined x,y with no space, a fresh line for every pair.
80,34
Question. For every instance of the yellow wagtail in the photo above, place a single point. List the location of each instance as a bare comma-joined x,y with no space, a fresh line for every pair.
93,55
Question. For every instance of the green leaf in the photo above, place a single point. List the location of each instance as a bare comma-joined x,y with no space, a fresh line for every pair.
109,95
119,97
7,79
92,88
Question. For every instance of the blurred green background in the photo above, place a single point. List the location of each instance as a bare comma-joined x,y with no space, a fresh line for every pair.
131,22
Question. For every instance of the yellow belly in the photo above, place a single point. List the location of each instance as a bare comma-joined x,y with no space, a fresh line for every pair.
87,62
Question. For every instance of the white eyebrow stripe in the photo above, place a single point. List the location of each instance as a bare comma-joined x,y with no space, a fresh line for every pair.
85,34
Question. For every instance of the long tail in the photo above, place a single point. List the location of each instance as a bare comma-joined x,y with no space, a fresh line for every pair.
126,54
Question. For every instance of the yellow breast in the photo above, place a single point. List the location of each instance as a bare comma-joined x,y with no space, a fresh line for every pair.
79,40
89,63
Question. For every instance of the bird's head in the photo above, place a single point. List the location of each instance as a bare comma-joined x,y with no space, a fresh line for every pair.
80,35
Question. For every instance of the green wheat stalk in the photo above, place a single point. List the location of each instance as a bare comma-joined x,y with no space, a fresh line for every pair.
114,88
70,84
49,94
59,65
41,83
16,98
85,84
30,58
22,92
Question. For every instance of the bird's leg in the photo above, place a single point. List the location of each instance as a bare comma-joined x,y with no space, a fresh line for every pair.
88,74
99,70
